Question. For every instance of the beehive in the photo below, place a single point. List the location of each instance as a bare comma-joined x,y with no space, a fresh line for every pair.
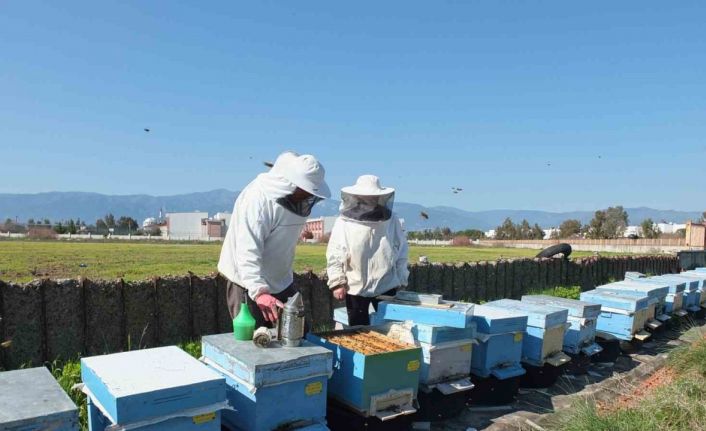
692,293
675,298
446,351
701,277
657,292
623,315
373,374
499,350
273,387
32,400
650,321
156,389
582,316
544,338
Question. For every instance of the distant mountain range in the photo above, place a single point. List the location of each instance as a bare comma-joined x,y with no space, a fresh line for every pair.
91,206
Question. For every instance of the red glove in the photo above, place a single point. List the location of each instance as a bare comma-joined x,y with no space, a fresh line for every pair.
268,306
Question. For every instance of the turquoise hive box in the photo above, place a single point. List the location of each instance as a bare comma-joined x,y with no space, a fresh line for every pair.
152,389
373,375
32,400
270,388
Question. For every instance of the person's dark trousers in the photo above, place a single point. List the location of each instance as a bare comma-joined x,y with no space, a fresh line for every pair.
358,306
236,294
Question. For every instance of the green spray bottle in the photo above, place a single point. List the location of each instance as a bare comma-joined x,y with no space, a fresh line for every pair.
244,323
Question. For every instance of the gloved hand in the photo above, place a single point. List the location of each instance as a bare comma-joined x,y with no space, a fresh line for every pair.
340,292
268,306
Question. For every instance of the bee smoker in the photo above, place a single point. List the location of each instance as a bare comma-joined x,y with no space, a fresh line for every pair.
290,325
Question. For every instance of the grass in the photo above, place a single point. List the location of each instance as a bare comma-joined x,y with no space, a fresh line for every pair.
678,405
23,260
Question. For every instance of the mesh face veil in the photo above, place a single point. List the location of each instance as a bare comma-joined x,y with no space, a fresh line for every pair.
367,208
302,208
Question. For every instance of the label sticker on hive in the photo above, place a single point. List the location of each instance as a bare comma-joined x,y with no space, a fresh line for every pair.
466,348
313,388
200,419
518,337
413,365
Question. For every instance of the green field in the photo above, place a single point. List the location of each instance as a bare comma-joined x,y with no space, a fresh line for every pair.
24,260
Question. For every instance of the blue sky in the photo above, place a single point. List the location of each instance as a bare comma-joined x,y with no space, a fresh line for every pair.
526,105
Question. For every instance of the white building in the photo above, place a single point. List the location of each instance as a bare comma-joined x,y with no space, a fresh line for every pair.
223,216
185,226
670,228
632,230
490,233
549,232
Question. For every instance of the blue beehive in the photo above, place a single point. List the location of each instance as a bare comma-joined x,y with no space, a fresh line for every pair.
653,291
676,286
623,315
675,298
701,277
546,326
153,389
499,350
373,375
446,351
692,294
270,388
580,337
32,400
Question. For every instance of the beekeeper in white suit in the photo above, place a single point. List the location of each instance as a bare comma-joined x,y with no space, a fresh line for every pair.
367,250
268,218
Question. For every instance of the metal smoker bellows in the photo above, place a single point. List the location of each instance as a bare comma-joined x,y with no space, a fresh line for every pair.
291,324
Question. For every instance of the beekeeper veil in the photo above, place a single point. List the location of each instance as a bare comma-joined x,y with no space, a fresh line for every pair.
305,173
367,200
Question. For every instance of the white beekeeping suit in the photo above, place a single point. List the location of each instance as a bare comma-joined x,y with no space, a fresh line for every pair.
367,250
258,250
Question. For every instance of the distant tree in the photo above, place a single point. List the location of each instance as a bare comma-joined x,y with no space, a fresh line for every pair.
59,228
30,222
608,223
523,231
703,217
507,230
555,234
537,232
446,233
47,222
126,224
71,227
101,227
650,229
109,220
681,233
472,234
569,228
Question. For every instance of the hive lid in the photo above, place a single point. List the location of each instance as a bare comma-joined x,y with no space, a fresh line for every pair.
630,293
701,276
675,285
29,394
652,288
266,366
492,320
575,307
447,313
616,299
539,316
692,284
139,384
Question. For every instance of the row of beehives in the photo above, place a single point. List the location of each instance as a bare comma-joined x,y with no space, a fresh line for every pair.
420,350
